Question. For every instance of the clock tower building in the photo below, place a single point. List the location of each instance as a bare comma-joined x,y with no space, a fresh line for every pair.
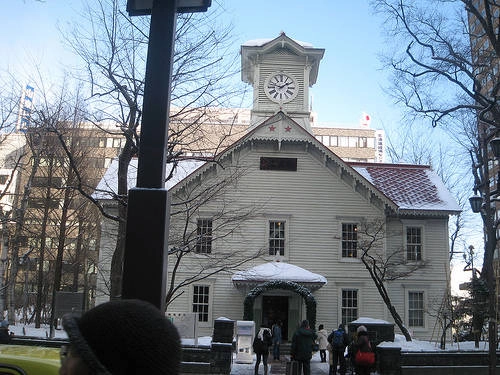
281,71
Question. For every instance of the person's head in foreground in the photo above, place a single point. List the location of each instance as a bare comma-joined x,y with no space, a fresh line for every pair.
121,337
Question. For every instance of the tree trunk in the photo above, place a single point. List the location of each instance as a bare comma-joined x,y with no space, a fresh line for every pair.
117,262
14,257
43,242
379,283
4,258
59,258
488,275
117,259
79,257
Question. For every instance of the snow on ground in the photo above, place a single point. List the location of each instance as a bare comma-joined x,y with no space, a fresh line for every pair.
317,367
30,330
428,346
399,341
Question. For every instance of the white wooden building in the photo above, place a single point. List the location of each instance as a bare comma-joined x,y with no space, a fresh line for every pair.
280,212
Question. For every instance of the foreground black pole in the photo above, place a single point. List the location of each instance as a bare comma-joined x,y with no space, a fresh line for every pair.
145,258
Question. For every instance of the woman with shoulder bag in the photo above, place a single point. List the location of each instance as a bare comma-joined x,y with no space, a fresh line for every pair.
364,357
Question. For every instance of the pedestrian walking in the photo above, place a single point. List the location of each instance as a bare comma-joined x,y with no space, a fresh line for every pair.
322,342
338,340
301,350
261,345
276,330
364,358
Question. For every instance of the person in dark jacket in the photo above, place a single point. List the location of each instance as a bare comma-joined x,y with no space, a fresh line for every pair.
4,332
276,340
302,342
338,349
261,345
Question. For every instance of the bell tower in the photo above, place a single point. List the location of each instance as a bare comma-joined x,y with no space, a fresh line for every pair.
281,70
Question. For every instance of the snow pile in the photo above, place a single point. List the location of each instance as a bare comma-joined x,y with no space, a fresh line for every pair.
428,346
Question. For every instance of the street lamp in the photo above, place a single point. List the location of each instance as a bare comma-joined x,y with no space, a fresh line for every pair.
476,202
148,209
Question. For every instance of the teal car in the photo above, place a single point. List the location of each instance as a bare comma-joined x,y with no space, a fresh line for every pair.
29,360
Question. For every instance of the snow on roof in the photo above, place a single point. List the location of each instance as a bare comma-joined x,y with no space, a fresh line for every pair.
263,41
278,271
411,187
362,320
108,186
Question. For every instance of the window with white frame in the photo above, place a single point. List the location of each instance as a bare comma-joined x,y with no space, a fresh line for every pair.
416,309
349,240
201,302
277,237
414,243
349,308
204,236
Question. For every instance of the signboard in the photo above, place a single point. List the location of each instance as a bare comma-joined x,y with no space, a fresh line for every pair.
68,303
186,324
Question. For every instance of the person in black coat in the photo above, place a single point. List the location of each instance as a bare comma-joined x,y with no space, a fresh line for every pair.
301,349
4,332
261,345
338,349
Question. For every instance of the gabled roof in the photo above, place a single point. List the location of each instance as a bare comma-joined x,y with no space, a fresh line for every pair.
403,189
411,187
252,50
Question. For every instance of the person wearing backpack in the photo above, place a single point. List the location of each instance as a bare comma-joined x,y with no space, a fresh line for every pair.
338,340
261,345
364,358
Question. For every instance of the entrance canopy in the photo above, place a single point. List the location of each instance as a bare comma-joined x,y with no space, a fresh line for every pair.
281,271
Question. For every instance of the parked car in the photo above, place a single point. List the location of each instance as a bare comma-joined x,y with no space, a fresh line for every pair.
29,360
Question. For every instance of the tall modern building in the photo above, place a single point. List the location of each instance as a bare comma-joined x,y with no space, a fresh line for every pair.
222,127
486,63
48,218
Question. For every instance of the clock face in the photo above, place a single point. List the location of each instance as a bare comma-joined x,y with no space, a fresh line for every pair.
281,87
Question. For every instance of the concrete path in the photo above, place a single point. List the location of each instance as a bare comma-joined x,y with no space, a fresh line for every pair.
279,367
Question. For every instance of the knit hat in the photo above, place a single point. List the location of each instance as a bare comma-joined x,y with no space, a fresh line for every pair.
361,329
125,337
